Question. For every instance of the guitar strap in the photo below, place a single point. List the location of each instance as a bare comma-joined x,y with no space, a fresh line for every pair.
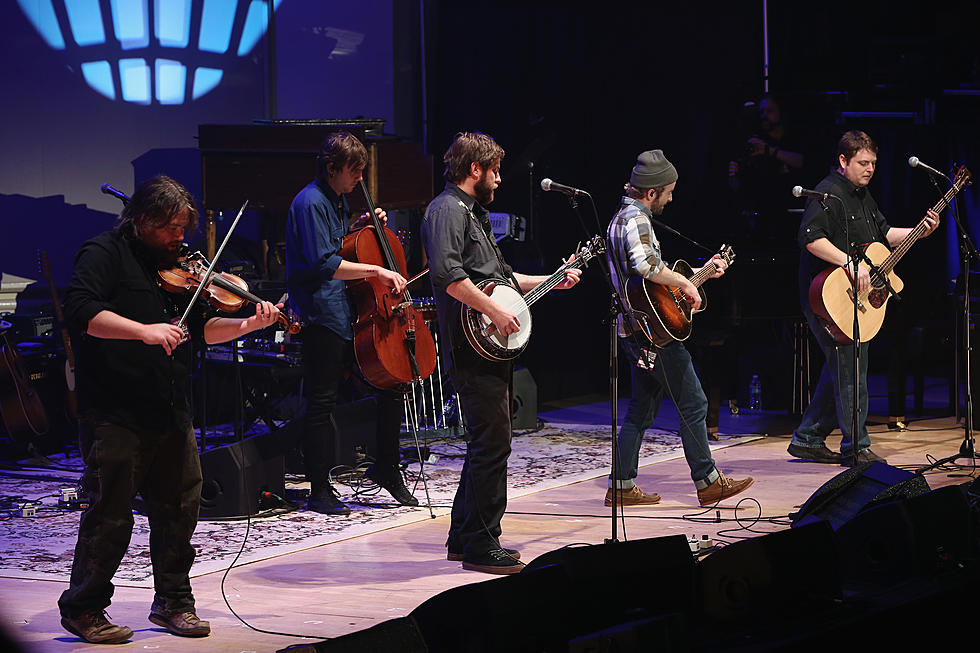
486,229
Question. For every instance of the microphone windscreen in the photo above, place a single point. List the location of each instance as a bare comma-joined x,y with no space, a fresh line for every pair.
913,161
797,191
546,184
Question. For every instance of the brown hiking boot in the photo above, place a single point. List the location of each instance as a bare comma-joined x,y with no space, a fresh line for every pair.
721,489
632,497
93,627
185,624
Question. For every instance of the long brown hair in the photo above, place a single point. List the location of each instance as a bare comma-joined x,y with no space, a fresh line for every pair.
155,203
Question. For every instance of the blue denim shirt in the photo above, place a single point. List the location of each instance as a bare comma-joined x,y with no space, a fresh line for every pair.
316,224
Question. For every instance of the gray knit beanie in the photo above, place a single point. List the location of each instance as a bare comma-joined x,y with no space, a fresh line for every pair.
652,170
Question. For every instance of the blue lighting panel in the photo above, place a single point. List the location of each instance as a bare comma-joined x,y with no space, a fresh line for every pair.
217,19
98,75
256,22
173,22
130,21
134,77
171,79
205,79
41,15
85,19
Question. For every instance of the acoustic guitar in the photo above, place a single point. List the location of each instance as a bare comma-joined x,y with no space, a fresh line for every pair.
45,267
831,294
21,407
669,314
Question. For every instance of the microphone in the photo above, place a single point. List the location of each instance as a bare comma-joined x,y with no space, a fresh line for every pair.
799,191
118,194
547,184
915,163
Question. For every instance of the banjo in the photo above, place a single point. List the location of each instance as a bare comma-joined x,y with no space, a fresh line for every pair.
483,335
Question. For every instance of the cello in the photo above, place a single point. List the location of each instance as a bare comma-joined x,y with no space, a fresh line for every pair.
392,344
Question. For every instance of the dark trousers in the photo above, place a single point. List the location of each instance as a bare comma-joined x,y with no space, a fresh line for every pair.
484,389
327,357
164,467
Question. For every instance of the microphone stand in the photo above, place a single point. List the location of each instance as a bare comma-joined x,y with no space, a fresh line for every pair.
617,309
968,250
854,257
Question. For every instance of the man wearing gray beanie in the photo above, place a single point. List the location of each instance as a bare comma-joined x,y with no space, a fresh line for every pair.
633,249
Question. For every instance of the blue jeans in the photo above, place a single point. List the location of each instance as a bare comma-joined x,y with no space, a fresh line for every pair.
832,402
672,371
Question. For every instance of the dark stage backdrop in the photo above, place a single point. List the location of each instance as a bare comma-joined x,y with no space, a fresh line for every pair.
580,90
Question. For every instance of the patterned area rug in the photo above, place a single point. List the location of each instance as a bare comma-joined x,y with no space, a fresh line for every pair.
559,454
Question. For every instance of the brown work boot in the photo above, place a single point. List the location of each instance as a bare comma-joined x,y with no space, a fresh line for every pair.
721,489
93,627
185,624
632,497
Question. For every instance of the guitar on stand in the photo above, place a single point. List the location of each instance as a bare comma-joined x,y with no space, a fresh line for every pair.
480,330
20,405
831,295
72,399
669,314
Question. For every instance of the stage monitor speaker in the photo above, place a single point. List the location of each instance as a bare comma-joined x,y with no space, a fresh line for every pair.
777,576
236,475
400,635
524,403
923,535
856,489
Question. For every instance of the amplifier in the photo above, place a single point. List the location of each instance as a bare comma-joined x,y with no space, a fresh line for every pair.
31,325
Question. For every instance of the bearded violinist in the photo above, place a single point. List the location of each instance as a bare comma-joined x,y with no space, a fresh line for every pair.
316,224
134,366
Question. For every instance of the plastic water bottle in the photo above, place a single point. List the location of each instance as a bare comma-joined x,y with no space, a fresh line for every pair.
755,393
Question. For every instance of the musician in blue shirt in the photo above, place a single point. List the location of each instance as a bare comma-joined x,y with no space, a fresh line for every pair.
316,224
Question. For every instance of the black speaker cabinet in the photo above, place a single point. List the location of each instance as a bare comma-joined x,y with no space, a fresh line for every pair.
858,488
236,475
524,403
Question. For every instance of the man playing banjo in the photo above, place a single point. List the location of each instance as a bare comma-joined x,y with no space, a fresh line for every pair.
458,238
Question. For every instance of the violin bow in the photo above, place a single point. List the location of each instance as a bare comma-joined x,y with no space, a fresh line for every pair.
207,275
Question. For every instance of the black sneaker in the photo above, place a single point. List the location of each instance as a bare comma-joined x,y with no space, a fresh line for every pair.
326,501
393,483
819,454
456,555
495,561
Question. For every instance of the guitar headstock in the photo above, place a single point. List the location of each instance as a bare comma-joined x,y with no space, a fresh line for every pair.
596,246
727,252
962,178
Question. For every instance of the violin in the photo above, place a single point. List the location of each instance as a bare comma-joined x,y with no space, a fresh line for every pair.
225,291
392,344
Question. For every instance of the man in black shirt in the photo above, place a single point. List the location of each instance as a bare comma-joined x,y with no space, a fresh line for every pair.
824,240
462,252
134,365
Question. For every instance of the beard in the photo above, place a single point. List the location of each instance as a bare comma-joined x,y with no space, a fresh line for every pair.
484,192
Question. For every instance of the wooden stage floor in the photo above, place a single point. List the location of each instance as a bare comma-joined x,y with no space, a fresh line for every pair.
353,584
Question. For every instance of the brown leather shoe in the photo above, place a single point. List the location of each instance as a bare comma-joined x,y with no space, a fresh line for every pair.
185,624
721,489
93,627
632,497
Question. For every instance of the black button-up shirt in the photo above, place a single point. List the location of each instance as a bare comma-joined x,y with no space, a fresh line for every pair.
128,382
459,241
857,208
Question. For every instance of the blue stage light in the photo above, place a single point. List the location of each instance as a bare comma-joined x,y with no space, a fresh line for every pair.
161,63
